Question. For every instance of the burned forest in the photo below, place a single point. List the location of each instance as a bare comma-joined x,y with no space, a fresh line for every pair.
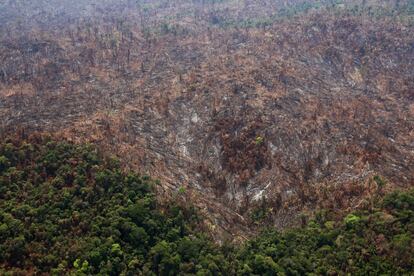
258,113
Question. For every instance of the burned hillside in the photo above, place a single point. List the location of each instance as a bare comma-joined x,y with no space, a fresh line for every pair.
292,104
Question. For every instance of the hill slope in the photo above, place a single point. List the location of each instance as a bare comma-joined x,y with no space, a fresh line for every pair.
296,105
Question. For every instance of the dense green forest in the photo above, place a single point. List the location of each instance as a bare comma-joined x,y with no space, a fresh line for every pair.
66,209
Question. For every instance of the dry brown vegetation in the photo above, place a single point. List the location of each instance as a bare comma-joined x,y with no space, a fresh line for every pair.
239,102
